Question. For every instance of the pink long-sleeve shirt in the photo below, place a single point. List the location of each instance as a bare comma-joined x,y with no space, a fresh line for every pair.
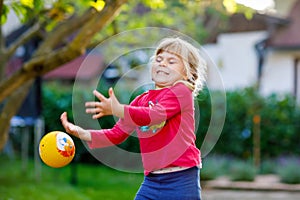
165,125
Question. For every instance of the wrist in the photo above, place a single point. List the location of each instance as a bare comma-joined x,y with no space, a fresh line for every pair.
84,134
120,111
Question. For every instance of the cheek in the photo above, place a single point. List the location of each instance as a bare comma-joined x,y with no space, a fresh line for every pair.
182,71
181,68
152,71
179,71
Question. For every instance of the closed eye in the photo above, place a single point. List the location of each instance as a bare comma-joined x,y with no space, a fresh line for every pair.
172,61
158,59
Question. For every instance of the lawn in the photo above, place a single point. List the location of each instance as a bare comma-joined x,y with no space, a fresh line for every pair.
93,182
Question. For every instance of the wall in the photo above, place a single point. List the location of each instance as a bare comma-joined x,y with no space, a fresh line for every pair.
236,61
278,73
235,56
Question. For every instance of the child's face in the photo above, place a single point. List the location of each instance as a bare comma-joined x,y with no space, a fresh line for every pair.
167,68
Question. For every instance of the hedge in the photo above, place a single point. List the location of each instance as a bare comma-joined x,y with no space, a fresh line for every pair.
280,132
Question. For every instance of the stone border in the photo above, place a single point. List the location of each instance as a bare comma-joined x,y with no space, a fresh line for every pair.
261,183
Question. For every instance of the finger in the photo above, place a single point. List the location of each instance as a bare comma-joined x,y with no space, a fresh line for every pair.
112,95
65,122
93,104
63,115
99,95
97,116
93,110
110,91
63,118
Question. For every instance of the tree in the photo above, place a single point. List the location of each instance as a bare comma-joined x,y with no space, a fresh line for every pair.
52,52
84,19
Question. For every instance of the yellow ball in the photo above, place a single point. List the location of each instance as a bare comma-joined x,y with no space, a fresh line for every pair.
56,149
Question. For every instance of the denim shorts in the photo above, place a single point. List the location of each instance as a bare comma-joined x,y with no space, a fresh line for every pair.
181,185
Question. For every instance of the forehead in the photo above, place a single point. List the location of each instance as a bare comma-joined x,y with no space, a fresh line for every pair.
168,54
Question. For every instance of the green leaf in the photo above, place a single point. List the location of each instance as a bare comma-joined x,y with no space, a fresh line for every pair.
248,14
5,11
27,3
38,4
20,11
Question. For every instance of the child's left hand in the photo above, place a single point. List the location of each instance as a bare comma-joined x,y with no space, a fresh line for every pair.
106,106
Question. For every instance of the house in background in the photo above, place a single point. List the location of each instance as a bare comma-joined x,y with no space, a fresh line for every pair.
283,48
263,51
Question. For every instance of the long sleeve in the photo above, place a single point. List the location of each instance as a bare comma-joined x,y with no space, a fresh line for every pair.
171,102
109,137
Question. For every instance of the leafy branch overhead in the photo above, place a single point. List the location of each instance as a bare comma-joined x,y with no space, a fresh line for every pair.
48,57
55,49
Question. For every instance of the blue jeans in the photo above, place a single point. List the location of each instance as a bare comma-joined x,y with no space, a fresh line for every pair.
181,185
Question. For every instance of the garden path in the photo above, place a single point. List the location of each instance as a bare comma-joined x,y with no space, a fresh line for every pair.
266,187
212,194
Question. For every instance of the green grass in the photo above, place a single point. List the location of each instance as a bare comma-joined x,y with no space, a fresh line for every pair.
93,182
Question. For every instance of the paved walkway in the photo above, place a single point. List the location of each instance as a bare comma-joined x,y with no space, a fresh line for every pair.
265,187
261,183
208,194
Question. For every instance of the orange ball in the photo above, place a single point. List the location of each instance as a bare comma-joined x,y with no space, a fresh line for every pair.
57,149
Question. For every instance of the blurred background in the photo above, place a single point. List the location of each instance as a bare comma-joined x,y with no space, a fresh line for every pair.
254,47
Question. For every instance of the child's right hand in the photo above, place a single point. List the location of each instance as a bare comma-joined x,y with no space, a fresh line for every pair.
73,129
69,127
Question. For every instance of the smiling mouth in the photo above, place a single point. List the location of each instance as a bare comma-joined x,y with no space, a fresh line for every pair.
162,72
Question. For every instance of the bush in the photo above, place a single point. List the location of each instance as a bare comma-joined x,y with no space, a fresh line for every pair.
214,166
268,166
288,171
242,171
279,126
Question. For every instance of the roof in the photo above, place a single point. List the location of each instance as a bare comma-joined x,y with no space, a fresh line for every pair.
239,23
287,37
258,22
93,65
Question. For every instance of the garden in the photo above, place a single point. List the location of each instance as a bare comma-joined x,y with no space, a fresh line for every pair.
260,136
233,154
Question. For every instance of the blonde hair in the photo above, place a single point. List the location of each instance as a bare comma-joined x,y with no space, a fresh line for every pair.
194,64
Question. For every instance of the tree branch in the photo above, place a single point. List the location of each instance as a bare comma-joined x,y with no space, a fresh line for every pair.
111,9
66,28
30,33
46,61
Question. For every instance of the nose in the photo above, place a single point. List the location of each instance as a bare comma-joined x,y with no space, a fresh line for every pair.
163,63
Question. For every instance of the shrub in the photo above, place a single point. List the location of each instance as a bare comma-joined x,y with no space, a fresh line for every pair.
214,166
279,126
268,166
242,171
288,171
